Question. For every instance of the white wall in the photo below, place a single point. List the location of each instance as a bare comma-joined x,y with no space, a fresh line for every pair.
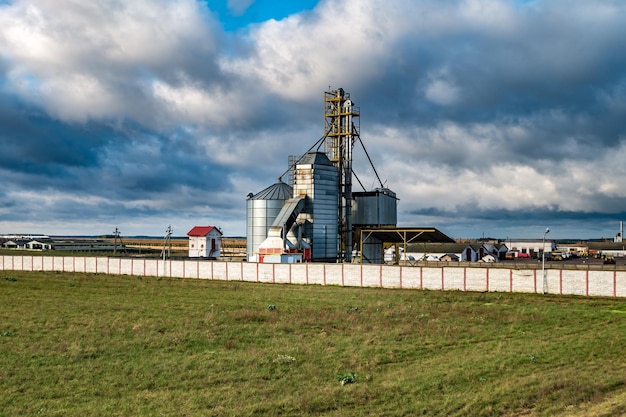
482,277
201,246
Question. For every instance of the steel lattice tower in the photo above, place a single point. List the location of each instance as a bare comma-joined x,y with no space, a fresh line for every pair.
341,129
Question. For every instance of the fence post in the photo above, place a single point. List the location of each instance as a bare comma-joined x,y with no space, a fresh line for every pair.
361,274
421,278
342,271
487,279
442,280
464,278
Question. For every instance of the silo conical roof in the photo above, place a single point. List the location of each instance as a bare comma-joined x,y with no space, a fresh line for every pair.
278,191
315,158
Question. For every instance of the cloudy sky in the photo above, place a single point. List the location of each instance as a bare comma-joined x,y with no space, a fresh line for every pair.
487,117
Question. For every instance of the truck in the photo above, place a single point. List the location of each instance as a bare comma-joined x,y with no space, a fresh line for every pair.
561,255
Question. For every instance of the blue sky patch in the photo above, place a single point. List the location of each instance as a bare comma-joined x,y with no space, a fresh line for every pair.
237,14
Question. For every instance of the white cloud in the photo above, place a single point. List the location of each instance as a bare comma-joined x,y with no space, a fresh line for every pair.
479,169
340,44
79,59
442,92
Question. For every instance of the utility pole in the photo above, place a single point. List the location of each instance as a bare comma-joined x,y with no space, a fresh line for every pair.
167,243
116,235
543,262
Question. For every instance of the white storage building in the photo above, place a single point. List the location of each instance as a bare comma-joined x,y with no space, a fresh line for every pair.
205,242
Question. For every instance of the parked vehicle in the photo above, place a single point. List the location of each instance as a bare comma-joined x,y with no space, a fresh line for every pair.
560,255
609,259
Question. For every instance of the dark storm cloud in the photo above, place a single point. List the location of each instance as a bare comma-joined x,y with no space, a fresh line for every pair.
531,224
500,79
530,216
33,142
148,163
105,161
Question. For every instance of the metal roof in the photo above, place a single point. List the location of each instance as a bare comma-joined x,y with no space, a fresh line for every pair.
438,247
288,214
200,231
407,235
278,191
314,158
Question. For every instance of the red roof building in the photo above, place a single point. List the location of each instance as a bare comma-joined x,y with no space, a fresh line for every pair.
200,231
205,242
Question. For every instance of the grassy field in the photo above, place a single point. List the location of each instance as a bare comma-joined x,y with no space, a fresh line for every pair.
98,345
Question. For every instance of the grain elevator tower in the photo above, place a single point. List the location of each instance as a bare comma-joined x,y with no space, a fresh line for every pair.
341,129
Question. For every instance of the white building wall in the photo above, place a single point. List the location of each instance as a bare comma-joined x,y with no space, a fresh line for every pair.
531,246
201,246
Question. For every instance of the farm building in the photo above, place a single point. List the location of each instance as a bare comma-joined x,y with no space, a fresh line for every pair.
26,244
533,247
205,242
452,252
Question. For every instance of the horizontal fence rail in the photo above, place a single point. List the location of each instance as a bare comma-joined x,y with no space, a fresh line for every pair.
585,282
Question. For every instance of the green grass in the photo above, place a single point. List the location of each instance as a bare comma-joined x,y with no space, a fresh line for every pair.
98,345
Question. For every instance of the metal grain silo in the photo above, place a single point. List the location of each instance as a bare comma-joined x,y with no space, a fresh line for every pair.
261,211
317,178
378,208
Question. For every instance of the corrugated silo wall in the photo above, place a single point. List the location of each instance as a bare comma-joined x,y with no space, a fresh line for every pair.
260,214
374,208
372,250
320,183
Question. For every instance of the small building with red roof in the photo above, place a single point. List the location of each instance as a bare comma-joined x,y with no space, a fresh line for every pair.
205,242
